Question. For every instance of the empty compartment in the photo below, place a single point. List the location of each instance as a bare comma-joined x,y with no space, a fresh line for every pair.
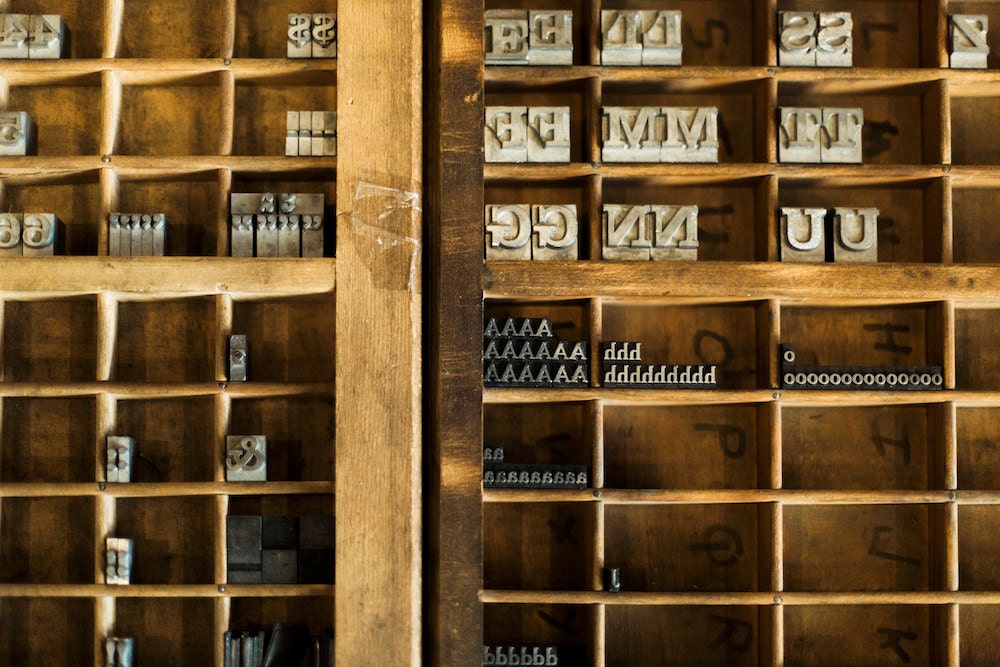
300,435
977,360
290,340
974,239
864,635
973,140
262,106
647,635
42,631
552,192
890,447
909,212
166,341
75,198
47,541
978,431
546,433
170,631
685,447
182,117
662,548
860,548
85,22
316,613
190,203
174,438
723,335
978,560
262,26
979,627
48,440
573,94
173,29
173,538
538,546
66,112
50,340
570,628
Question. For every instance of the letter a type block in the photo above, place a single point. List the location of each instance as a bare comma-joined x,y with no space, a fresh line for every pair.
967,39
508,232
802,237
855,234
506,37
505,134
798,134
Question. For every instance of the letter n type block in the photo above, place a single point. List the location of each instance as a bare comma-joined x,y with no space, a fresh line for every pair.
324,35
834,42
17,133
675,233
505,135
797,39
802,237
855,234
555,232
300,36
506,37
550,39
692,135
10,234
548,134
661,37
799,134
508,232
625,232
48,33
620,43
840,141
14,36
967,39
629,134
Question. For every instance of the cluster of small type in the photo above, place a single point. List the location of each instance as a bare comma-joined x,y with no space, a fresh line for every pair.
312,35
137,234
835,235
499,474
311,134
284,645
29,234
523,352
267,224
520,654
621,365
279,549
31,36
857,378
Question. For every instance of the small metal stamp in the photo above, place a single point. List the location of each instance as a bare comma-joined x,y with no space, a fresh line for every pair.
289,236
239,358
612,579
506,37
300,35
241,236
505,134
17,133
508,231
10,234
48,34
550,37
267,235
159,234
548,134
324,35
121,453
620,44
246,458
119,651
967,41
660,33
555,231
118,552
14,36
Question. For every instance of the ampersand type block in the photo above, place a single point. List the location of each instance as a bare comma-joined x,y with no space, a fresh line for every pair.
550,37
14,36
808,39
246,458
657,232
17,134
505,134
506,37
324,35
548,134
967,41
300,36
119,651
48,34
121,452
855,234
118,554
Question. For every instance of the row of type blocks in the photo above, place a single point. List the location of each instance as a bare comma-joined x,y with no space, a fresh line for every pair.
808,39
18,134
137,234
312,35
311,134
622,366
857,378
837,235
246,458
649,232
522,231
119,651
523,352
521,654
267,224
815,135
29,234
279,549
118,553
34,36
501,474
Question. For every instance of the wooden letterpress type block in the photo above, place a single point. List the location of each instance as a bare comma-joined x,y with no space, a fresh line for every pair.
802,235
620,43
316,532
554,232
241,233
629,134
612,579
292,124
280,532
967,41
324,35
120,451
267,235
548,134
239,358
315,566
834,43
550,37
312,235
797,39
692,135
799,134
506,37
625,232
303,203
675,232
14,36
305,134
505,134
247,203
508,232
279,566
840,140
245,576
661,37
10,234
17,133
289,236
855,234
300,36
244,537
48,34
135,234
246,458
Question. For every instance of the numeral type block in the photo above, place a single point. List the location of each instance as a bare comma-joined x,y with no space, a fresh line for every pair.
506,37
17,133
657,232
48,34
550,37
548,134
246,458
121,452
119,651
14,36
967,41
118,554
808,39
660,134
802,235
311,134
505,135
239,358
830,135
324,35
300,35
855,234
640,37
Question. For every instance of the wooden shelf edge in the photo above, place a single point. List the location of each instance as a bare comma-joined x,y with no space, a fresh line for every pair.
35,168
155,70
759,598
742,496
128,390
164,489
164,590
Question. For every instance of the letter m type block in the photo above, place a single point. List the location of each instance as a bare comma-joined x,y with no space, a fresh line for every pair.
692,135
629,134
967,38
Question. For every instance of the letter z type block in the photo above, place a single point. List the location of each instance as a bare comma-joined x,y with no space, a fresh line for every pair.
506,37
967,39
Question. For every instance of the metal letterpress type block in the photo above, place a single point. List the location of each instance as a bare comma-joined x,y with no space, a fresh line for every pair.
661,37
312,235
550,40
324,35
855,234
555,230
505,134
799,134
625,232
629,134
10,234
840,140
692,135
121,452
967,41
14,36
243,544
280,532
146,235
797,39
316,132
291,135
48,34
303,203
159,234
134,228
267,235
114,234
289,236
118,553
239,358
119,651
245,203
241,232
506,37
548,134
508,232
620,43
612,579
39,233
300,36
802,235
246,458
834,42
17,133
316,532
675,232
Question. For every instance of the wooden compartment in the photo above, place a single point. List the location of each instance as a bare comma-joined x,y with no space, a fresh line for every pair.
46,541
300,435
48,439
173,29
262,25
575,94
725,335
972,241
909,212
173,543
979,629
547,433
261,613
39,632
289,339
864,448
75,197
85,20
262,106
174,438
52,340
973,106
861,548
901,120
977,360
684,635
281,505
732,224
183,117
191,204
551,191
740,121
684,547
685,447
166,341
171,631
66,112
978,434
992,12
548,546
978,560
569,627
863,635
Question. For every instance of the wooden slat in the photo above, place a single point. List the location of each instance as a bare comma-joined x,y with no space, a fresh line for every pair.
785,598
156,70
160,490
164,591
40,169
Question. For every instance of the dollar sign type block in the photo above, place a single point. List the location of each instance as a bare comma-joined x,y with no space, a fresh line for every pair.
300,36
118,554
14,36
246,458
48,34
10,234
324,35
17,133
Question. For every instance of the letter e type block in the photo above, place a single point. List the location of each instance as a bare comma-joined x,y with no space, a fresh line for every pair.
797,39
10,234
505,134
834,43
628,134
802,236
550,37
661,37
967,41
555,232
508,232
548,134
798,134
625,232
17,133
855,234
841,137
506,37
246,458
300,36
620,43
